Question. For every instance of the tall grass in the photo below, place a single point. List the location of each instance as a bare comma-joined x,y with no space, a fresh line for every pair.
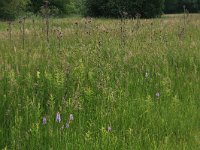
142,95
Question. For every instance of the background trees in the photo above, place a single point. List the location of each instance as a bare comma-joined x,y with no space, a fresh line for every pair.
112,8
176,6
10,9
57,6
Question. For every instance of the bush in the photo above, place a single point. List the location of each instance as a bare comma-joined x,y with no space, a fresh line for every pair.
10,9
62,6
176,6
112,8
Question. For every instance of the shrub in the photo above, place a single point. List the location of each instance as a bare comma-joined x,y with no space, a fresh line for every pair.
10,9
112,8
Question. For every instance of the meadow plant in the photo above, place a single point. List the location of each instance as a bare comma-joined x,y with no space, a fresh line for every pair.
58,117
143,94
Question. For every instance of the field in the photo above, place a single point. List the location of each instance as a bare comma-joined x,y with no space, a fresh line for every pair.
117,84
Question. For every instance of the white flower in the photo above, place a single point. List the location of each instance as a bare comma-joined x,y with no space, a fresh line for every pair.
157,94
71,117
109,129
67,125
146,75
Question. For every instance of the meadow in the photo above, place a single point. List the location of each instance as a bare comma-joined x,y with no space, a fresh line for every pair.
116,83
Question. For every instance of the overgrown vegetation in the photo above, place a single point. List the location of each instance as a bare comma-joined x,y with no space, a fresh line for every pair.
100,84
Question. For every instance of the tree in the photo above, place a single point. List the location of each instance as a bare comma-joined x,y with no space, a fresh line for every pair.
61,6
10,9
176,6
112,8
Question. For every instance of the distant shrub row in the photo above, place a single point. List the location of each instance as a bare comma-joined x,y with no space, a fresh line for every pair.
113,8
10,9
176,6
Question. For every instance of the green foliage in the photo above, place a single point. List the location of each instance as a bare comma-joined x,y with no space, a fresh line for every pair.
10,9
56,6
176,6
113,8
102,83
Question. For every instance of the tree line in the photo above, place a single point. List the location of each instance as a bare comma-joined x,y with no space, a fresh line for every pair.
176,6
10,9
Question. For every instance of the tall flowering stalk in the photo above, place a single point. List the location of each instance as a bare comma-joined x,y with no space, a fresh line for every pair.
58,117
44,120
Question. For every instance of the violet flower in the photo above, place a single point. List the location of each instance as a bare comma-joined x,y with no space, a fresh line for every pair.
58,118
44,120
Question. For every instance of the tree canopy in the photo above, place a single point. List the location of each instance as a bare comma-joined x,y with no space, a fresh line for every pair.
58,6
10,9
112,8
176,6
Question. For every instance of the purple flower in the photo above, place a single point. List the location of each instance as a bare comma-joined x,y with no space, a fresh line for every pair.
109,129
58,118
71,117
44,120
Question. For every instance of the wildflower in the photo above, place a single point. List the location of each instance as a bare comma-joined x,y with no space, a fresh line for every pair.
157,94
67,125
71,117
58,118
146,75
109,129
44,120
62,127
